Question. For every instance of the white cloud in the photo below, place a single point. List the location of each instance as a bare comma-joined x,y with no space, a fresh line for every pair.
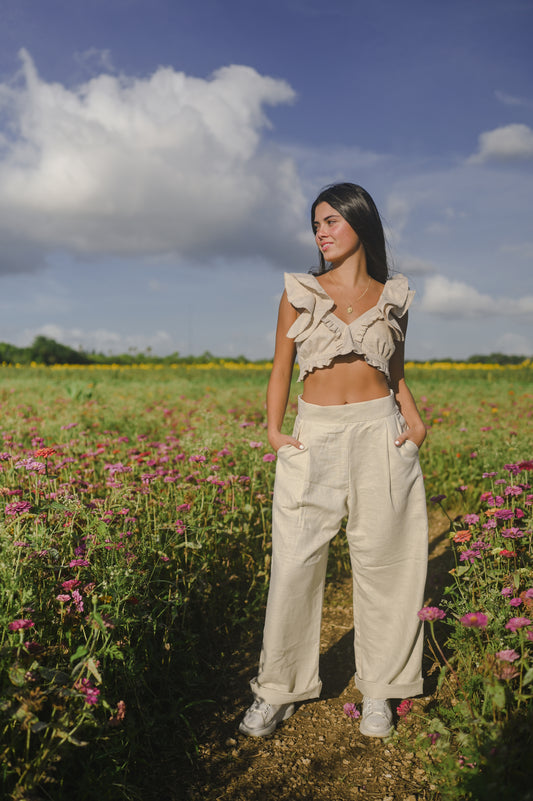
514,343
509,143
455,299
141,166
100,339
513,100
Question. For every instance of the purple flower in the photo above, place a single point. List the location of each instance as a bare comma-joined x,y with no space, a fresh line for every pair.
470,556
17,508
513,490
516,602
437,498
503,514
352,711
433,737
431,613
79,563
488,475
516,623
474,620
512,533
509,655
471,520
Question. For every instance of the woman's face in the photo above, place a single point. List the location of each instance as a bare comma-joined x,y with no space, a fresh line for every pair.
335,237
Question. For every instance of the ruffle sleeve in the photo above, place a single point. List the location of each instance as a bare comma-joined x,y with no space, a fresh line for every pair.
394,302
305,294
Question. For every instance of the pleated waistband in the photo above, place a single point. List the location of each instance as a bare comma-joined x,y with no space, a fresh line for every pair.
348,412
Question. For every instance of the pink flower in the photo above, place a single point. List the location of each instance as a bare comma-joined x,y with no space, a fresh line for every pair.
471,520
509,655
474,620
515,601
78,600
269,457
17,508
86,688
516,623
529,593
63,599
256,444
21,623
351,711
404,708
70,584
507,592
507,554
431,613
116,719
79,563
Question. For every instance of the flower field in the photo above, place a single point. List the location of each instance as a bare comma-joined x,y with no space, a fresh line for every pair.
134,547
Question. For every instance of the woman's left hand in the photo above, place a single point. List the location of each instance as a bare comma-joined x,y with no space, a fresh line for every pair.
416,435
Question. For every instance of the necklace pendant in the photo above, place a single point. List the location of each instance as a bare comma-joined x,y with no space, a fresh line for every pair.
349,309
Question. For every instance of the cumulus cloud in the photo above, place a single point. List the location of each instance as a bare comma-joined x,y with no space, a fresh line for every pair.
101,340
455,299
139,166
509,143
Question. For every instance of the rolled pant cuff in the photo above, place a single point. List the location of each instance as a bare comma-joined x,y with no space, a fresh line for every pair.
376,690
277,697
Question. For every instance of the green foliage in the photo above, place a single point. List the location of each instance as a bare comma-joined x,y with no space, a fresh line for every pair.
159,485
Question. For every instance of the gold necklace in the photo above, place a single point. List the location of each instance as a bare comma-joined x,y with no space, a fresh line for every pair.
349,309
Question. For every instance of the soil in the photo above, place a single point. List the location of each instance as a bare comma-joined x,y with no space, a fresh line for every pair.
319,753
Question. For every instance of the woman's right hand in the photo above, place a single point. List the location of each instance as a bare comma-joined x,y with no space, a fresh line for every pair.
277,439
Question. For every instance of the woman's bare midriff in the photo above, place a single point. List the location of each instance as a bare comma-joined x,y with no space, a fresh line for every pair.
348,379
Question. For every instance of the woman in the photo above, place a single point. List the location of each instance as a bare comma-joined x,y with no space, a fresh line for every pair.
353,454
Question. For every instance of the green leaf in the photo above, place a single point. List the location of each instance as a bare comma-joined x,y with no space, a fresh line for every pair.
17,675
528,678
81,651
442,675
91,667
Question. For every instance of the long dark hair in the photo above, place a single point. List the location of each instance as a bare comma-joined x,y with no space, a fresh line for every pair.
360,212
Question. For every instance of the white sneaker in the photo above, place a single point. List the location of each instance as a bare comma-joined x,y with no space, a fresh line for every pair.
262,718
377,718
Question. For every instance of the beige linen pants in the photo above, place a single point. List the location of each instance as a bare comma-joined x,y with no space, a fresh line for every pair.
349,467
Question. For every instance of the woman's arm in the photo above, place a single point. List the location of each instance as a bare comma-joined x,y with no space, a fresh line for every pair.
406,403
280,377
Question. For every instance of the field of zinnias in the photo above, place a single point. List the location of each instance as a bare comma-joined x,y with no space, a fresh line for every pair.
134,548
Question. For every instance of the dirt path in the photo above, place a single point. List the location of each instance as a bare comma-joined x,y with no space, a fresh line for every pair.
318,753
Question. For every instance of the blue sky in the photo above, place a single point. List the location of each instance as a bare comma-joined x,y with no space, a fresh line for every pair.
158,160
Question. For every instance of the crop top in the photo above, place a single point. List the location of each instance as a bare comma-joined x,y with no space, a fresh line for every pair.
321,336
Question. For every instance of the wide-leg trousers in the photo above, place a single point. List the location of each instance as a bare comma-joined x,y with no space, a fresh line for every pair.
349,468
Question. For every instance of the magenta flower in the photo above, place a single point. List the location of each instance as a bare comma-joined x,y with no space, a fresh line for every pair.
70,584
509,655
512,533
431,613
404,708
529,593
63,599
86,688
516,623
21,623
79,563
507,592
475,620
269,457
470,556
503,514
471,520
433,737
17,508
516,602
352,711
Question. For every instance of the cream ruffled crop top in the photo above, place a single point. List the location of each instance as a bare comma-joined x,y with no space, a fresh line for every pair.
320,335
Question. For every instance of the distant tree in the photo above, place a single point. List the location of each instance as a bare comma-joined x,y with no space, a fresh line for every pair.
47,351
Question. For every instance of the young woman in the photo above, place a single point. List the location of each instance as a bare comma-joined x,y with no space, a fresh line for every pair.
353,454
